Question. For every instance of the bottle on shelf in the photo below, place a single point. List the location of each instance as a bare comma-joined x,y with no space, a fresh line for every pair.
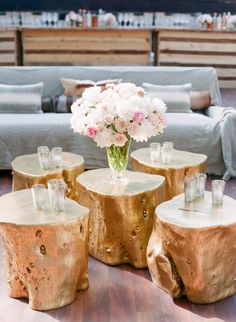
84,18
219,22
224,21
214,21
228,24
89,19
100,14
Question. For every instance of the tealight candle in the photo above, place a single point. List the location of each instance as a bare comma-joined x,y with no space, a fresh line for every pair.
218,187
155,149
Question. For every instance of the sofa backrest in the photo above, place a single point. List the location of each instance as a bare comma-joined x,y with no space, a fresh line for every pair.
201,78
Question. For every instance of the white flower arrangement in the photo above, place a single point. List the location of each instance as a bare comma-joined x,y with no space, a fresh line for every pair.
109,20
117,114
73,18
205,18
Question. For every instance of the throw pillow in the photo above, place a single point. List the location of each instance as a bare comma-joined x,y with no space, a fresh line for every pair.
176,97
58,104
21,99
75,87
200,100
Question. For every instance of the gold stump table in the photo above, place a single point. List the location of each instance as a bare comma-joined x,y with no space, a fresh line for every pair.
26,172
46,252
192,249
121,216
183,164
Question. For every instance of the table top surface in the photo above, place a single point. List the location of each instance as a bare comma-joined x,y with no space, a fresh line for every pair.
29,164
99,181
17,208
180,159
198,214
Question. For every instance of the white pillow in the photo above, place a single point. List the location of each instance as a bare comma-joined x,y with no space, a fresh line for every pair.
21,99
176,97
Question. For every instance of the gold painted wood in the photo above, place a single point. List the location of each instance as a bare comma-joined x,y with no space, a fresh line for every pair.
46,252
121,217
184,164
77,46
27,171
192,249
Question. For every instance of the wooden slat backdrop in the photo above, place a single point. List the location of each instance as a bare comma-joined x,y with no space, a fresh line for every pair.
9,49
200,48
86,47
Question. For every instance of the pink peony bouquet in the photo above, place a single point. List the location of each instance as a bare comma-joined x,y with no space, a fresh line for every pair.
117,114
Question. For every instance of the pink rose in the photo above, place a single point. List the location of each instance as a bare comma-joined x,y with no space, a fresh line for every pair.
133,128
120,125
119,139
92,131
140,91
138,116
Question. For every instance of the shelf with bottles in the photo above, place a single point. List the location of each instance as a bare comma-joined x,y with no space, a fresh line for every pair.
217,21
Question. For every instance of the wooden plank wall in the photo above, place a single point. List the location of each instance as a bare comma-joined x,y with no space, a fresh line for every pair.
9,47
200,48
86,47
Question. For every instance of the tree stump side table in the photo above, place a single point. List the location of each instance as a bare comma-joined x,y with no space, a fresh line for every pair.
184,164
121,216
46,252
192,249
26,172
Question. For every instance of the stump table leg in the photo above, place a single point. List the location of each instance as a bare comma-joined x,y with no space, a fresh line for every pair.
47,263
199,263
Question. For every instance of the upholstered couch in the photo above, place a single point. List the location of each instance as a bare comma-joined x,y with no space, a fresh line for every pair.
211,133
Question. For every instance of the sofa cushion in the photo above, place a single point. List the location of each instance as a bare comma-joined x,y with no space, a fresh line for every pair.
176,97
200,100
75,87
21,99
58,104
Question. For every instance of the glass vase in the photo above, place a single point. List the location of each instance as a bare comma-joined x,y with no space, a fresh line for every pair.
118,157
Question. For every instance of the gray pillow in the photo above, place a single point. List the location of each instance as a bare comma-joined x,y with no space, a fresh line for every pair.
176,97
20,99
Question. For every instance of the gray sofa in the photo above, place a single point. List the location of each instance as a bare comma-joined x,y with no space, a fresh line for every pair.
212,133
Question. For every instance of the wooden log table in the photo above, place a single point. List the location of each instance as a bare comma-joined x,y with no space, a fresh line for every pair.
192,249
26,172
121,216
184,164
46,252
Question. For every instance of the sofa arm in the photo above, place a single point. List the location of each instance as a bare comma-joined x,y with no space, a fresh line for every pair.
215,112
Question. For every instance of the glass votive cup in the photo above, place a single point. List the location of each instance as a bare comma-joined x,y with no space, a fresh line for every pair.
155,150
167,152
59,198
218,187
38,194
200,184
189,189
57,156
56,191
44,157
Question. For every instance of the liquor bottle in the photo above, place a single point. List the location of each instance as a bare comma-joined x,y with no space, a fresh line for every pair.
84,17
100,22
224,21
228,24
219,22
89,19
215,21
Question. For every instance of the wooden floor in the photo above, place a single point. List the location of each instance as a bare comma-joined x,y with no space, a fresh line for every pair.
117,294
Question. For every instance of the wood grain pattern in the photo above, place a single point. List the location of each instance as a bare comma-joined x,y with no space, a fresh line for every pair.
86,47
117,294
9,47
186,48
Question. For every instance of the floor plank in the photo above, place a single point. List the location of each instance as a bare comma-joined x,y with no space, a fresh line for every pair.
117,294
